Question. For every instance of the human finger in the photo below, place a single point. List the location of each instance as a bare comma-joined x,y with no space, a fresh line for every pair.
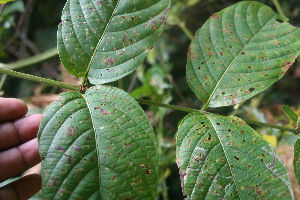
22,189
19,131
16,160
11,109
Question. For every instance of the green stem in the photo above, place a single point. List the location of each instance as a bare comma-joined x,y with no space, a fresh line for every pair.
272,126
187,32
40,80
279,9
190,110
203,108
173,107
2,81
121,84
32,60
183,27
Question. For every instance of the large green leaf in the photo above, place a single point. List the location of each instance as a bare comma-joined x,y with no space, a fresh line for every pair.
107,40
297,160
239,52
97,145
223,158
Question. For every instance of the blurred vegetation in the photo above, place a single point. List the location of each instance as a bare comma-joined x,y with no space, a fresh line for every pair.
29,27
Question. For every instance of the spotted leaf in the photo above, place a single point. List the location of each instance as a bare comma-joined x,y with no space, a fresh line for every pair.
221,157
239,52
97,145
107,40
297,160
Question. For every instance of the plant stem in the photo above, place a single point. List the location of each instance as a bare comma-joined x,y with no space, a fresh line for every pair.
2,81
204,106
190,110
173,107
187,32
40,80
120,84
279,9
183,27
272,126
32,60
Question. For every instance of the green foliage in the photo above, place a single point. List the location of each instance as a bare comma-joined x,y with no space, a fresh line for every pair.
103,139
112,38
223,158
290,113
97,145
153,84
297,160
7,21
239,52
5,1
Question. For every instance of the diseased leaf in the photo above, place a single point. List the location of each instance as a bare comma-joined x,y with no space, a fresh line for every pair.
221,157
290,113
296,161
239,52
97,145
107,40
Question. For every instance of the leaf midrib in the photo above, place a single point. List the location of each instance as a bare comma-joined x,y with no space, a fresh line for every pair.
97,148
232,62
100,40
225,153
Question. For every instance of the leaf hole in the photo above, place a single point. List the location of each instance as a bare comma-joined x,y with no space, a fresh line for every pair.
237,158
209,137
251,89
279,20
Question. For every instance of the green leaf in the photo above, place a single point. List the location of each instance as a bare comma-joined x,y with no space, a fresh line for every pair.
97,145
290,113
239,52
17,6
223,158
5,1
107,40
296,161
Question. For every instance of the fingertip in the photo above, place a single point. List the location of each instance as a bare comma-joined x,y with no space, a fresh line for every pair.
11,108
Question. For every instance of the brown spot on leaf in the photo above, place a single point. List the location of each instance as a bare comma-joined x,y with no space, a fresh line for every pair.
215,16
103,111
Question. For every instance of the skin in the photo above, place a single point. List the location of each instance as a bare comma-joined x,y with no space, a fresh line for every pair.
18,149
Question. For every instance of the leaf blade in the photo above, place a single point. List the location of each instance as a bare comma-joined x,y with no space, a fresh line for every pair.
103,142
216,157
296,161
109,40
290,113
5,1
239,52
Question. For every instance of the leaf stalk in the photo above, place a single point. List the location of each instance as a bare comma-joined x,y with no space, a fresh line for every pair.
191,110
40,80
279,9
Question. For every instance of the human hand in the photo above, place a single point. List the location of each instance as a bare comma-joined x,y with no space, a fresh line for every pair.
18,149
